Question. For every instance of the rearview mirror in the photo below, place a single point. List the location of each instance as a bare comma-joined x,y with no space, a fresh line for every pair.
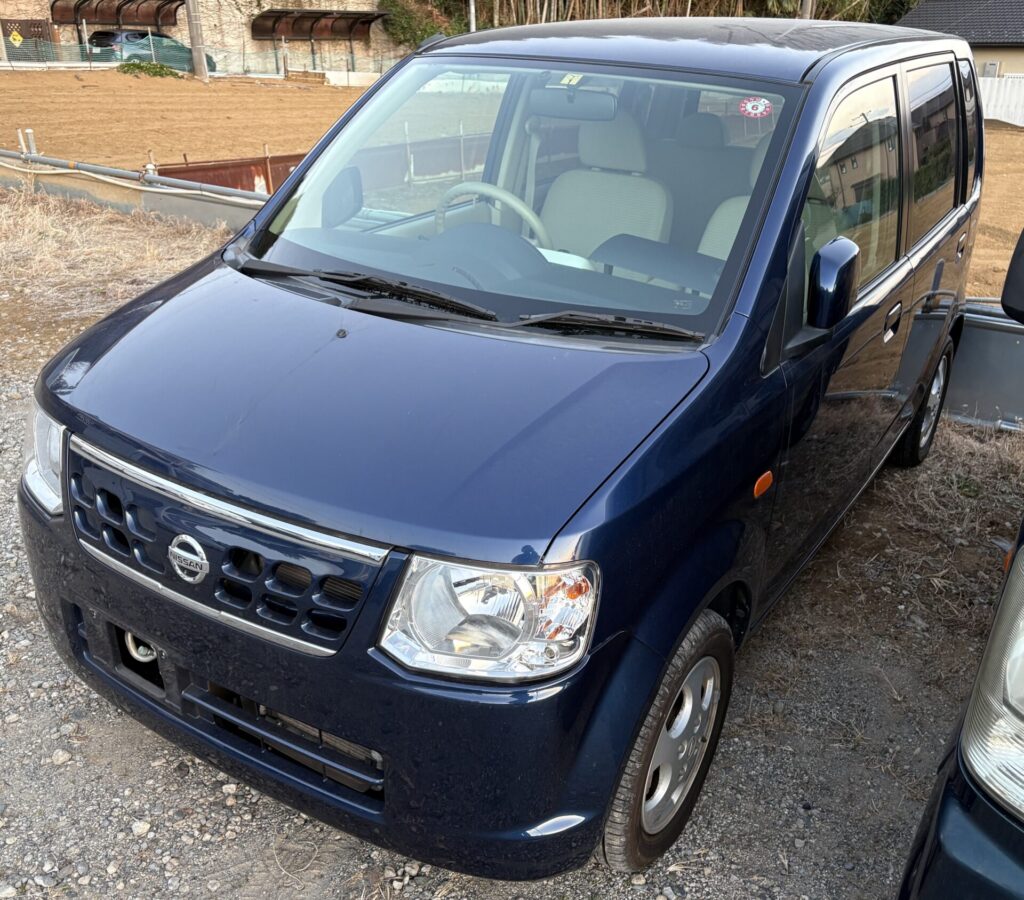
832,291
343,197
1013,287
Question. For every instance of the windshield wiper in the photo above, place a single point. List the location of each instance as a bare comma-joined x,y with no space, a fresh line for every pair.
609,322
392,289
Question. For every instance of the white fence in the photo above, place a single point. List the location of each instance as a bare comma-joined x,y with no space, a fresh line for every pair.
1003,99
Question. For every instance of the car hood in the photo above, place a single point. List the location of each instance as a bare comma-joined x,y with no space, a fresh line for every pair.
452,441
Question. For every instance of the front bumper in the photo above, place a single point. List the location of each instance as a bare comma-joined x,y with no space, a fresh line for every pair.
510,782
965,846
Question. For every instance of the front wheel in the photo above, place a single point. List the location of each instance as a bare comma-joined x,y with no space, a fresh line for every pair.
673,751
913,448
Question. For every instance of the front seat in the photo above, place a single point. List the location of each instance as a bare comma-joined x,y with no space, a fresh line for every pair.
724,224
610,194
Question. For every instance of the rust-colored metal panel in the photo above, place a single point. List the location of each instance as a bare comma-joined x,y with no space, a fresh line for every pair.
256,173
318,24
145,13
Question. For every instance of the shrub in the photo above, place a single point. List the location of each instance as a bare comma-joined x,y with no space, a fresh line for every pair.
153,69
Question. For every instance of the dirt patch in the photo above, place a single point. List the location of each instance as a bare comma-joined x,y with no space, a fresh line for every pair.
114,119
1002,213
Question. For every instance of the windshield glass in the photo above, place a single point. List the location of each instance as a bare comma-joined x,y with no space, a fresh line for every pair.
531,188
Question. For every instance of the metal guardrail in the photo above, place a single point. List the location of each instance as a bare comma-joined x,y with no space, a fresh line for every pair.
142,177
125,190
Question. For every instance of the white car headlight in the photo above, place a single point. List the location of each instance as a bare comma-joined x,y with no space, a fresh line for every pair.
44,441
993,734
491,624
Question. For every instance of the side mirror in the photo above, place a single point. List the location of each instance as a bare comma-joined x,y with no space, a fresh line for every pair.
343,197
832,291
1013,287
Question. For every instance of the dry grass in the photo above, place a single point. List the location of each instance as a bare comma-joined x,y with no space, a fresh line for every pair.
65,263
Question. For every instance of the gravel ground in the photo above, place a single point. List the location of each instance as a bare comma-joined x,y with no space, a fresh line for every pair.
842,704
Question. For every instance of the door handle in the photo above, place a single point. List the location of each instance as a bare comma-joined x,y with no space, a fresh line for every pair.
892,323
961,246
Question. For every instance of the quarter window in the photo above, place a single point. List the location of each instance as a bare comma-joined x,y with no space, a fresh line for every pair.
970,119
855,191
933,115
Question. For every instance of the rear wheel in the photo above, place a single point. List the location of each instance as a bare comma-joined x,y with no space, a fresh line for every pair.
673,751
913,448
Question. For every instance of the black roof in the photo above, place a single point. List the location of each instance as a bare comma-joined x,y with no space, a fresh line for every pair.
769,48
984,23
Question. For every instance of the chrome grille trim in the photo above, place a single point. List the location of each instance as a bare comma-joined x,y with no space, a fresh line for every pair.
230,512
268,634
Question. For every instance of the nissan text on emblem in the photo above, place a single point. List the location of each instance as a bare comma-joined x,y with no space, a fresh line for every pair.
188,559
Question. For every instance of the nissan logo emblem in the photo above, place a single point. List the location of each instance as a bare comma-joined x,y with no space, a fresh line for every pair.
188,559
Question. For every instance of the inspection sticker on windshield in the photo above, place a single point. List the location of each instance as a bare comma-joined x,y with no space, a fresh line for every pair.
571,79
755,107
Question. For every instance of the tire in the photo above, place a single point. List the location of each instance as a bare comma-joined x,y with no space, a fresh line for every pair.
913,448
630,843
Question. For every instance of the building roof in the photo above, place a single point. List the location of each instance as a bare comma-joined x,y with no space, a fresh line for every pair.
986,23
782,49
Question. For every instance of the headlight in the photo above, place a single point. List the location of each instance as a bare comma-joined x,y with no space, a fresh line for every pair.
993,736
44,439
491,624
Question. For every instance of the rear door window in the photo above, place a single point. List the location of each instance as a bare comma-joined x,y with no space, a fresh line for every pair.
934,146
855,191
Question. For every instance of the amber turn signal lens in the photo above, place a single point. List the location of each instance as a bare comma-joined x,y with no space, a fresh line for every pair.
763,483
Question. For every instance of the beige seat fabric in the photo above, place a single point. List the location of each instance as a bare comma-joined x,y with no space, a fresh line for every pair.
724,225
610,195
700,171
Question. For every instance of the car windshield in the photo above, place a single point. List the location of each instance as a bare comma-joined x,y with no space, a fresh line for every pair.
535,188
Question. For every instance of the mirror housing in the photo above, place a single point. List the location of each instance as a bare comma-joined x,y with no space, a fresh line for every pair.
831,294
1013,287
832,291
343,197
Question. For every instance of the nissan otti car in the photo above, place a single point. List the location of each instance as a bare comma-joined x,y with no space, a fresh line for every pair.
438,502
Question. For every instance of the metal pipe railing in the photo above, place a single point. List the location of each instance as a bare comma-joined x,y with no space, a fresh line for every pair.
143,177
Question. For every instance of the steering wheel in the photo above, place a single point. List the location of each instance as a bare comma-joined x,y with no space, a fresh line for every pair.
499,195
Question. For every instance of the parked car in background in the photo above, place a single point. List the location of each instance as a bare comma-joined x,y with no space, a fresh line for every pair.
970,842
438,503
127,45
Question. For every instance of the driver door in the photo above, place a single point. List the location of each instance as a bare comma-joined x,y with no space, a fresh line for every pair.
842,397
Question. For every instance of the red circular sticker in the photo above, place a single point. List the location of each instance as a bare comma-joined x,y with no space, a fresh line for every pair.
755,107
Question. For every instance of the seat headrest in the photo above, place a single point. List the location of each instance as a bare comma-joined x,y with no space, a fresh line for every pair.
703,130
757,160
617,145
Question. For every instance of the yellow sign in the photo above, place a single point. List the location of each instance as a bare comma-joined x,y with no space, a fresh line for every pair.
15,38
572,79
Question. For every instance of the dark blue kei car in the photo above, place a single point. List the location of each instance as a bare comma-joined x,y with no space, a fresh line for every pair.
438,502
970,843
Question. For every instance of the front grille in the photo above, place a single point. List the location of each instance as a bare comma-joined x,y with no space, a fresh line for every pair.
266,583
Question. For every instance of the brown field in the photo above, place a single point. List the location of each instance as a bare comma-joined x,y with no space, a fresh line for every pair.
114,119
1002,213
107,117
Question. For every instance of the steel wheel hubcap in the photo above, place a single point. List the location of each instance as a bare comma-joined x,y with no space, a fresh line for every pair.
682,744
932,402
